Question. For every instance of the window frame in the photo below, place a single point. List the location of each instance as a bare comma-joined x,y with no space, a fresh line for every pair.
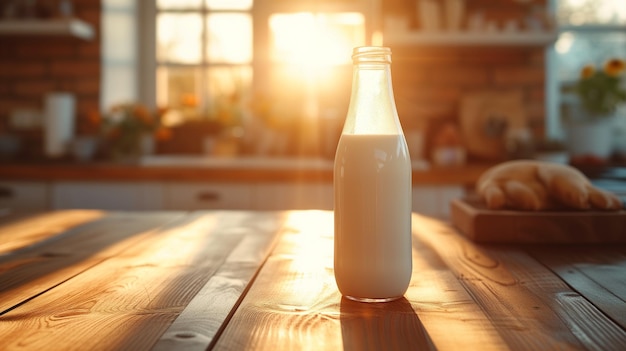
554,98
261,11
109,63
147,76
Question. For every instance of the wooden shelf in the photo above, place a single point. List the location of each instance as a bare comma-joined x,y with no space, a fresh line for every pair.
68,27
470,38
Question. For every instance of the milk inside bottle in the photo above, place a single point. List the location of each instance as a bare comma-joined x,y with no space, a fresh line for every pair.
372,188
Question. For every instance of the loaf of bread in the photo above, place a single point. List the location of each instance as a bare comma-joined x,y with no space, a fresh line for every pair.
536,185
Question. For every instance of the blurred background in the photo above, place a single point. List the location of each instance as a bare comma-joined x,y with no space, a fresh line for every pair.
272,77
239,83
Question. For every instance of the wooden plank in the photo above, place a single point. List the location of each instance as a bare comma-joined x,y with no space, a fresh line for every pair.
445,307
480,224
593,328
131,287
294,303
597,273
130,299
36,268
531,307
200,321
20,231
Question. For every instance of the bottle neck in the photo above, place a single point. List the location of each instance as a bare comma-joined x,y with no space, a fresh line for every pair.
372,107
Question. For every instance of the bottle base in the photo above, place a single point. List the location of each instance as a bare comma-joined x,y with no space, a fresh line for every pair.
372,300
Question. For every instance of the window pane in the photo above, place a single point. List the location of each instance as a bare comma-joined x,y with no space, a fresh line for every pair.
178,4
229,80
227,87
118,4
229,4
577,12
118,85
229,38
179,38
119,43
574,50
179,89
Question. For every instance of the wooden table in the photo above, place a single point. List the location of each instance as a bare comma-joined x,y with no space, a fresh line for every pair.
245,280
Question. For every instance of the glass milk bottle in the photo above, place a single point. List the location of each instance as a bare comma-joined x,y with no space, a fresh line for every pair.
372,187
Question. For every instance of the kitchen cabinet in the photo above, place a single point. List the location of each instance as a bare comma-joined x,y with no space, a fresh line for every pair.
297,196
258,196
254,185
430,200
24,196
131,196
200,196
191,196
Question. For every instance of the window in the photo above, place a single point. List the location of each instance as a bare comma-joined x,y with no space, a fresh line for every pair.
310,53
590,31
119,56
203,54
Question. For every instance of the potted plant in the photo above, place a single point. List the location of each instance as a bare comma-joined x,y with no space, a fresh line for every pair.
130,129
599,93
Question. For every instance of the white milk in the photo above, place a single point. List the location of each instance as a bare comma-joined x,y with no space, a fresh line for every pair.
372,180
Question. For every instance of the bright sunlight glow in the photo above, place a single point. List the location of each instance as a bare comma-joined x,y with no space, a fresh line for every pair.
314,40
309,225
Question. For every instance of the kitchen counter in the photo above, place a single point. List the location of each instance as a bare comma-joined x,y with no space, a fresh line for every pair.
259,280
180,168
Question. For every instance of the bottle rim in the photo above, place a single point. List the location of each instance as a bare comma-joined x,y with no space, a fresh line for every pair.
371,54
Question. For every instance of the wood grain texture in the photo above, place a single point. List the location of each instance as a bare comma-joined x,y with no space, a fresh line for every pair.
294,304
520,295
200,321
246,280
38,267
450,315
129,300
598,273
480,224
20,231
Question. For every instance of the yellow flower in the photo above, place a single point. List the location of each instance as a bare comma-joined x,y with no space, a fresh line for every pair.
601,91
614,67
587,71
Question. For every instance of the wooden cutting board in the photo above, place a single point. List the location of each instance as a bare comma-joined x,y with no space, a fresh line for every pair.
474,220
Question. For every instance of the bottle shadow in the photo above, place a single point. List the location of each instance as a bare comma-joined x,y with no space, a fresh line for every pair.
382,326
